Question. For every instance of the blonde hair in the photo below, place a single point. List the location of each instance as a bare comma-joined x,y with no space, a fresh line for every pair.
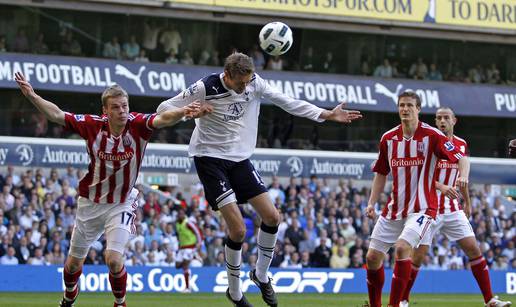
113,91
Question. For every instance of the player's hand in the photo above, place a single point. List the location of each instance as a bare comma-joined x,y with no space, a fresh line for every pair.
24,85
370,212
449,192
339,114
462,182
467,210
197,109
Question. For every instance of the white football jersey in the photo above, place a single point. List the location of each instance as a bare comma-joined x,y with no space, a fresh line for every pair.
230,131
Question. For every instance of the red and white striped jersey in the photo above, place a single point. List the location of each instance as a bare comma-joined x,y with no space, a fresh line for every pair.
412,163
114,161
447,173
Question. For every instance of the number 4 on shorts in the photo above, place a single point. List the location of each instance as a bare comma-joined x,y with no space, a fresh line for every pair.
420,220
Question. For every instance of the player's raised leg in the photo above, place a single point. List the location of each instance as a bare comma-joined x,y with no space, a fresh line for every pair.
235,222
375,275
417,259
71,273
117,238
480,270
267,236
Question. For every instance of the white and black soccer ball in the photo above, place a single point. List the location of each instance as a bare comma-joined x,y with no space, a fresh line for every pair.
276,38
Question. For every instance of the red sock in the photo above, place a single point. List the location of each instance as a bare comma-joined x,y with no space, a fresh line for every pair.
186,273
118,283
71,284
400,278
375,280
481,272
413,275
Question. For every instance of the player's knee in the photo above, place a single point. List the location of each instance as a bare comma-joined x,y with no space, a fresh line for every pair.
272,219
373,259
237,234
403,249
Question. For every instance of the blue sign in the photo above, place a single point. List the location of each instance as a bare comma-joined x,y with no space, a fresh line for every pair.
90,75
20,278
164,158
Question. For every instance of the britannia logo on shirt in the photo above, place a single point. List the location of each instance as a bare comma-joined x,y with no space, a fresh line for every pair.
118,156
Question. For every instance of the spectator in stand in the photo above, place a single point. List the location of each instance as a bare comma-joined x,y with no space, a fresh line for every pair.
339,260
307,61
38,258
329,65
214,59
39,46
70,46
170,39
491,72
418,70
57,256
171,59
21,41
204,58
131,49
9,258
365,66
186,59
434,74
150,38
112,49
3,43
275,63
142,57
257,55
384,70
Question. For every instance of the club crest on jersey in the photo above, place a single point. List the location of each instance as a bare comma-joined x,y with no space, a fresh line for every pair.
79,117
127,141
236,111
449,146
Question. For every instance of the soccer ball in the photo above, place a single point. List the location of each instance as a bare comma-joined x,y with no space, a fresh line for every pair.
276,38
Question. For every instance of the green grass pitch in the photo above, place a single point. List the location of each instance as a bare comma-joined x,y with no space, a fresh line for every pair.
219,300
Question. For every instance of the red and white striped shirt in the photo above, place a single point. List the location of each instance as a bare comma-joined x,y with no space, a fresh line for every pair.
114,161
412,163
447,174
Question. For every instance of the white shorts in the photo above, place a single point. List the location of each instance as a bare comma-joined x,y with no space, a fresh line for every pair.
185,254
387,232
455,226
92,220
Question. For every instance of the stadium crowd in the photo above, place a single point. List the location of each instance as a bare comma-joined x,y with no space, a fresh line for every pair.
322,225
162,41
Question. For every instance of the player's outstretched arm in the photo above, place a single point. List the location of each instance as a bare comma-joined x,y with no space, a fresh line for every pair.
379,181
52,112
339,114
172,116
462,181
447,190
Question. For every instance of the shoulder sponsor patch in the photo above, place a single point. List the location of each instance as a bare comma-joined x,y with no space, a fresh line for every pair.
191,90
449,146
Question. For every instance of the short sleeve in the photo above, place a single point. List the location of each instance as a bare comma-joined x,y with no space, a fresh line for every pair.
445,149
143,124
82,124
381,165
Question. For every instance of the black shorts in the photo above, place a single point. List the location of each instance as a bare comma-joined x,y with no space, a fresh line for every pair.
226,181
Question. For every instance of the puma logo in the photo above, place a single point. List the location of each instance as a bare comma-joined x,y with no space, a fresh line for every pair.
216,89
381,89
123,71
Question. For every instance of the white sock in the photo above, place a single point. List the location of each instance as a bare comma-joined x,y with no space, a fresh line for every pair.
267,236
233,261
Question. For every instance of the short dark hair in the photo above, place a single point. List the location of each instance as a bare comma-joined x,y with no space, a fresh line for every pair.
238,64
412,95
446,108
113,91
